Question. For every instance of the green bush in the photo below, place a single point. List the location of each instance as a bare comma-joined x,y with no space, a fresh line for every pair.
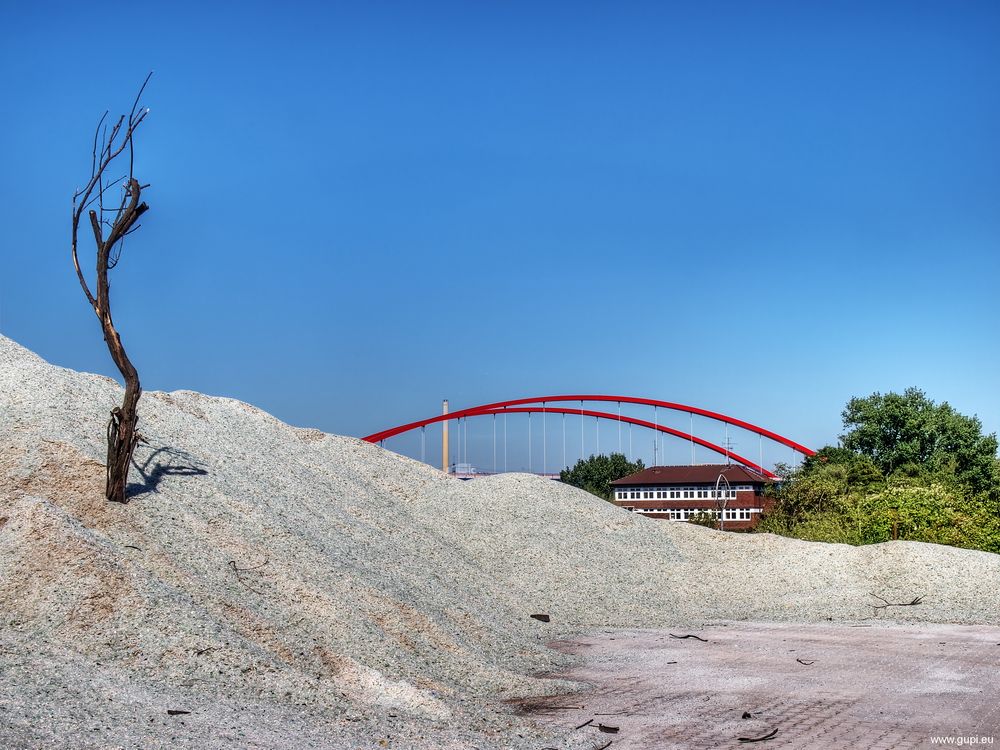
901,509
928,513
909,468
705,518
826,527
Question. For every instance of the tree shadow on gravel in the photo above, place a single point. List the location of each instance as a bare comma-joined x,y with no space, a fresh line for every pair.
163,462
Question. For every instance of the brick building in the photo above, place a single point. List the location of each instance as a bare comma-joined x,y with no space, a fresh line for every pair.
680,492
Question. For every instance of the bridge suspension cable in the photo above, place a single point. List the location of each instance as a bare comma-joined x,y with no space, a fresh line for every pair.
604,415
564,440
544,444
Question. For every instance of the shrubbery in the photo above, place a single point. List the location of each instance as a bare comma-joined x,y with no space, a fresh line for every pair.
919,471
705,518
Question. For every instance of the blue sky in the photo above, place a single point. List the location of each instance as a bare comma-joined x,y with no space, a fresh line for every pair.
360,209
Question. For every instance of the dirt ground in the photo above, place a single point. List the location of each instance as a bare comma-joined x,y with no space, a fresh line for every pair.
867,686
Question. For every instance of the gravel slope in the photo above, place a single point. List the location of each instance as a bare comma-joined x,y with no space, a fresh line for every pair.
292,588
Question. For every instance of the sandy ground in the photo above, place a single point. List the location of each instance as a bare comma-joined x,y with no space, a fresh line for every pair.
296,589
813,686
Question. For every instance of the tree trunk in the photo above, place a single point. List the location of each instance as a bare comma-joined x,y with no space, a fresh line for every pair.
122,434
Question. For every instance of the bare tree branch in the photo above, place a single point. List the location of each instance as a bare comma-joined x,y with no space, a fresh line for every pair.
912,603
93,158
131,117
111,184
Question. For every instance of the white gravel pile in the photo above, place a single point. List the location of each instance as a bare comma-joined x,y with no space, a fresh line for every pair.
296,589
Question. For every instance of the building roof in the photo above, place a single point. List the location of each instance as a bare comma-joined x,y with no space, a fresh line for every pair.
701,474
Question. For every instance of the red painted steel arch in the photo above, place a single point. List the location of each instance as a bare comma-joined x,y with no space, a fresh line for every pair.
505,405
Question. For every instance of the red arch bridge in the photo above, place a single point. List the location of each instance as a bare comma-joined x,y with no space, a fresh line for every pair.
581,407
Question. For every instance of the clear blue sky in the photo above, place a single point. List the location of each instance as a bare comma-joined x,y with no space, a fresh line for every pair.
358,209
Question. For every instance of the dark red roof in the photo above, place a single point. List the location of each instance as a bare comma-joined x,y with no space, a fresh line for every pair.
701,474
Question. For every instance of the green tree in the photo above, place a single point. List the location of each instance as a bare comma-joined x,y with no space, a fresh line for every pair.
596,473
823,483
859,470
909,435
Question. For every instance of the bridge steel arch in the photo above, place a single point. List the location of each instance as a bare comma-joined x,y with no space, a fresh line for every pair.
670,405
528,405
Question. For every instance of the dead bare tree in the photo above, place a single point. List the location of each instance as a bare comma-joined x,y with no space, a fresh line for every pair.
111,225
